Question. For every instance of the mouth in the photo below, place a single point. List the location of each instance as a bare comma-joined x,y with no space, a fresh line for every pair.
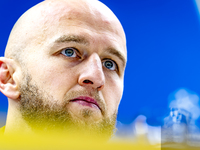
86,101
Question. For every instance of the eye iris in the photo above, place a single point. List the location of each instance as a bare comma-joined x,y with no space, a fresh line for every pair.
108,64
69,52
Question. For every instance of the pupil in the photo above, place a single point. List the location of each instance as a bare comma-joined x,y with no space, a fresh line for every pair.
69,52
108,64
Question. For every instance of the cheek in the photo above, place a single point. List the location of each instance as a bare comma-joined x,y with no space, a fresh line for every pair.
112,94
53,79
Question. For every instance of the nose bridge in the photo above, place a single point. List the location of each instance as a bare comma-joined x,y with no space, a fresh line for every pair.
95,63
92,72
95,68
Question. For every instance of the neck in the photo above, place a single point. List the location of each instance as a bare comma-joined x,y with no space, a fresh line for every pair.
15,123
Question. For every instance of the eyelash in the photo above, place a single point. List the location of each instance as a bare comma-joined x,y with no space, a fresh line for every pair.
75,51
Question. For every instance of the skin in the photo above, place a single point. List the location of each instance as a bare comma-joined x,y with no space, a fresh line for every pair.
37,46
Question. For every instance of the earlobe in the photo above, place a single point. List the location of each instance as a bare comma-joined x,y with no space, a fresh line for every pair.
8,85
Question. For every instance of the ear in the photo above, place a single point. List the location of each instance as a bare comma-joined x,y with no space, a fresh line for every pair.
8,85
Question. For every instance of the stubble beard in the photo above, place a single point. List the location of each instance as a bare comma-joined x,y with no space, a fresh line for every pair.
41,114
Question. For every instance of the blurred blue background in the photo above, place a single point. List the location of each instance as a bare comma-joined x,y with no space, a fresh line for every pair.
163,41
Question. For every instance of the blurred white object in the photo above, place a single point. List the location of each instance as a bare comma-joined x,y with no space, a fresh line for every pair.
141,127
139,130
198,4
186,100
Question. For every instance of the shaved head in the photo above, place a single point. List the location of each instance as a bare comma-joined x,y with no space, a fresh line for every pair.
34,25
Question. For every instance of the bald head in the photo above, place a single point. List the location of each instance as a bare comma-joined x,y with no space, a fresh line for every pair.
51,17
67,56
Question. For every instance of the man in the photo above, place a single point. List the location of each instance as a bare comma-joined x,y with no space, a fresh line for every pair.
63,68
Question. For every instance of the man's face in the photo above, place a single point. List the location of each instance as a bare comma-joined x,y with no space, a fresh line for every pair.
76,61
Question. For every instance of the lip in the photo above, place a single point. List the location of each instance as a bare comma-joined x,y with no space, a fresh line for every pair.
87,99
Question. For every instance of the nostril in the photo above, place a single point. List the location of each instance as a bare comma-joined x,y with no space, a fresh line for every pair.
87,82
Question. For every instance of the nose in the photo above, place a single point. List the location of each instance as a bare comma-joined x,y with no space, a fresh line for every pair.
91,73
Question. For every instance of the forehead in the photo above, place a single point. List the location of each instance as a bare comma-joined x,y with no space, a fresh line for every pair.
82,13
52,19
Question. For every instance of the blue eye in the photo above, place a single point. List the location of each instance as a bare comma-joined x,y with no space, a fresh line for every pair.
69,52
109,64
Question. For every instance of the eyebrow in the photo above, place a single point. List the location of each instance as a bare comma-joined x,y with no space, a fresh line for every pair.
82,40
72,38
117,54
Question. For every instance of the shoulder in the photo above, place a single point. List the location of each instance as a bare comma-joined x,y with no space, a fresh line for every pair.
2,129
